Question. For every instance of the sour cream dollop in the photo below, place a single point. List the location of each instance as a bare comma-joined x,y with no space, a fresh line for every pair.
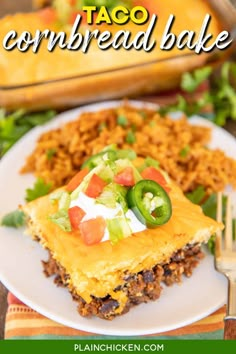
94,209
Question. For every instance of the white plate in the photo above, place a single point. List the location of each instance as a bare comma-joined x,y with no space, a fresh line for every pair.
20,257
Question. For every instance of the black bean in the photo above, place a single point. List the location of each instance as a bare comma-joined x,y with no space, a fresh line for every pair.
167,272
178,257
109,306
148,276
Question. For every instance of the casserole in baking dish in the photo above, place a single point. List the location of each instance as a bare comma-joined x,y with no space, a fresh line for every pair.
64,78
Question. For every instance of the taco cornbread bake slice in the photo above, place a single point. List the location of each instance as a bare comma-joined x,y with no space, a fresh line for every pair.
118,230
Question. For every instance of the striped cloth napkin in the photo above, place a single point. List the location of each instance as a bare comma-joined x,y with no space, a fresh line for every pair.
24,323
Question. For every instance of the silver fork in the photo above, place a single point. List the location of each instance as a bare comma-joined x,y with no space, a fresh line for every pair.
225,262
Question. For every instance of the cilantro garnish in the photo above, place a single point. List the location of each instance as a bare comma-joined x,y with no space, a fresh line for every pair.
209,207
14,219
14,125
220,96
39,189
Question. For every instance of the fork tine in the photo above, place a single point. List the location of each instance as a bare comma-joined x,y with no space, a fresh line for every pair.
225,263
228,225
218,240
219,207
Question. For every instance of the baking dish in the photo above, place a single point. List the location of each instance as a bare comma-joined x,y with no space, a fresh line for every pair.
130,80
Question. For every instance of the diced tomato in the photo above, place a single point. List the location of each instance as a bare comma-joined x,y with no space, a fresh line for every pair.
154,175
125,177
76,214
92,231
147,4
95,186
77,179
48,15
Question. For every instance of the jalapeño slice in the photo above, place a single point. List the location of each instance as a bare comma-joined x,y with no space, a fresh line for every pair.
150,203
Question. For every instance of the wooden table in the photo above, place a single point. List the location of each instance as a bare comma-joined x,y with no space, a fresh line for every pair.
7,6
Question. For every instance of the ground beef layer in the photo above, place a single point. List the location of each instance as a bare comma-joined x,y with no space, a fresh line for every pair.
138,288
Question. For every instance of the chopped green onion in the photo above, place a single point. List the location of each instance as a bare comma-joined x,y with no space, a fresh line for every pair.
101,127
50,153
184,152
130,137
122,121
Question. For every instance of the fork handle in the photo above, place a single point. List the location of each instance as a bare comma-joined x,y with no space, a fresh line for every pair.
230,318
230,328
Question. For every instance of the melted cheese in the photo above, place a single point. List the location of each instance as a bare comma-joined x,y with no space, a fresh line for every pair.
97,270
